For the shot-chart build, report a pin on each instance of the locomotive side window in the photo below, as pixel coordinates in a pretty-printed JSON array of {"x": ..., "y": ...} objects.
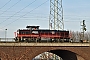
[
  {"x": 23, "y": 32},
  {"x": 27, "y": 32}
]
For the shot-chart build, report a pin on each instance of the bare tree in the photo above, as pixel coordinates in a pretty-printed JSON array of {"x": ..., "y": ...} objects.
[{"x": 77, "y": 36}]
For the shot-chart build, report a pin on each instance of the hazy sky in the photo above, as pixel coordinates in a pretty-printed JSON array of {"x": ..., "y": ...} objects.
[{"x": 17, "y": 14}]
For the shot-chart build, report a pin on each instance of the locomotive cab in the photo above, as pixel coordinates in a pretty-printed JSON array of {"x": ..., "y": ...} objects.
[
  {"x": 28, "y": 34},
  {"x": 33, "y": 27}
]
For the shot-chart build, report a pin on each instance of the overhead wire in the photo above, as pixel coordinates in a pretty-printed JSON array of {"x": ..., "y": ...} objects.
[
  {"x": 27, "y": 19},
  {"x": 33, "y": 14},
  {"x": 26, "y": 13},
  {"x": 45, "y": 17},
  {"x": 5, "y": 4},
  {"x": 10, "y": 7},
  {"x": 18, "y": 12}
]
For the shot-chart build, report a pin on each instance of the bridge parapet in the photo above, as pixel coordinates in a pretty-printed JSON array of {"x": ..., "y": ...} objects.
[{"x": 46, "y": 44}]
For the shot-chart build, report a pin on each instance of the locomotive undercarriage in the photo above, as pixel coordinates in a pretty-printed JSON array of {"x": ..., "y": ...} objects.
[
  {"x": 27, "y": 39},
  {"x": 39, "y": 40}
]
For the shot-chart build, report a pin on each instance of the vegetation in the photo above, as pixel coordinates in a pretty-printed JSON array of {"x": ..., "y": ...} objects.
[{"x": 77, "y": 36}]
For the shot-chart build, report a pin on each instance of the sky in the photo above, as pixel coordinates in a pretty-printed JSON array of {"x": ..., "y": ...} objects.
[{"x": 17, "y": 14}]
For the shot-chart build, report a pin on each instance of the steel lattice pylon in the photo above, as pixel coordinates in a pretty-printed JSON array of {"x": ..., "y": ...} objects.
[{"x": 56, "y": 15}]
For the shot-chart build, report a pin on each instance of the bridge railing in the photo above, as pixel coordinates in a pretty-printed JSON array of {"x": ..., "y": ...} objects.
[{"x": 7, "y": 40}]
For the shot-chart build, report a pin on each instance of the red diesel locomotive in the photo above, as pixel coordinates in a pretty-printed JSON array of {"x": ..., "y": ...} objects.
[{"x": 34, "y": 34}]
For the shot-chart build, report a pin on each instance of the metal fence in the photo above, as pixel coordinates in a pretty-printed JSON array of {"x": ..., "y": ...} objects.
[{"x": 7, "y": 40}]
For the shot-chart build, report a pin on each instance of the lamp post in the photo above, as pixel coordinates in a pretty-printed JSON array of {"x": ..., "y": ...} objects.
[{"x": 5, "y": 34}]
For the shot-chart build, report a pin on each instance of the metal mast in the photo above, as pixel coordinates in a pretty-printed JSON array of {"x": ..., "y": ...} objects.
[
  {"x": 56, "y": 15},
  {"x": 83, "y": 29}
]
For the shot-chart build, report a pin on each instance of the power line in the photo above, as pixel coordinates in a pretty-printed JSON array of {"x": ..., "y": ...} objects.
[
  {"x": 66, "y": 17},
  {"x": 43, "y": 17},
  {"x": 18, "y": 12},
  {"x": 26, "y": 14},
  {"x": 10, "y": 7},
  {"x": 5, "y": 4},
  {"x": 32, "y": 16}
]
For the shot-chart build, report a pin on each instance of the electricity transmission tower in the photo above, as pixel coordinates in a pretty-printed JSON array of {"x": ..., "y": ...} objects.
[{"x": 56, "y": 15}]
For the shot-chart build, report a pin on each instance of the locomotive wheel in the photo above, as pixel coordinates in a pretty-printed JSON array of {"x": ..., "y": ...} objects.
[{"x": 61, "y": 40}]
